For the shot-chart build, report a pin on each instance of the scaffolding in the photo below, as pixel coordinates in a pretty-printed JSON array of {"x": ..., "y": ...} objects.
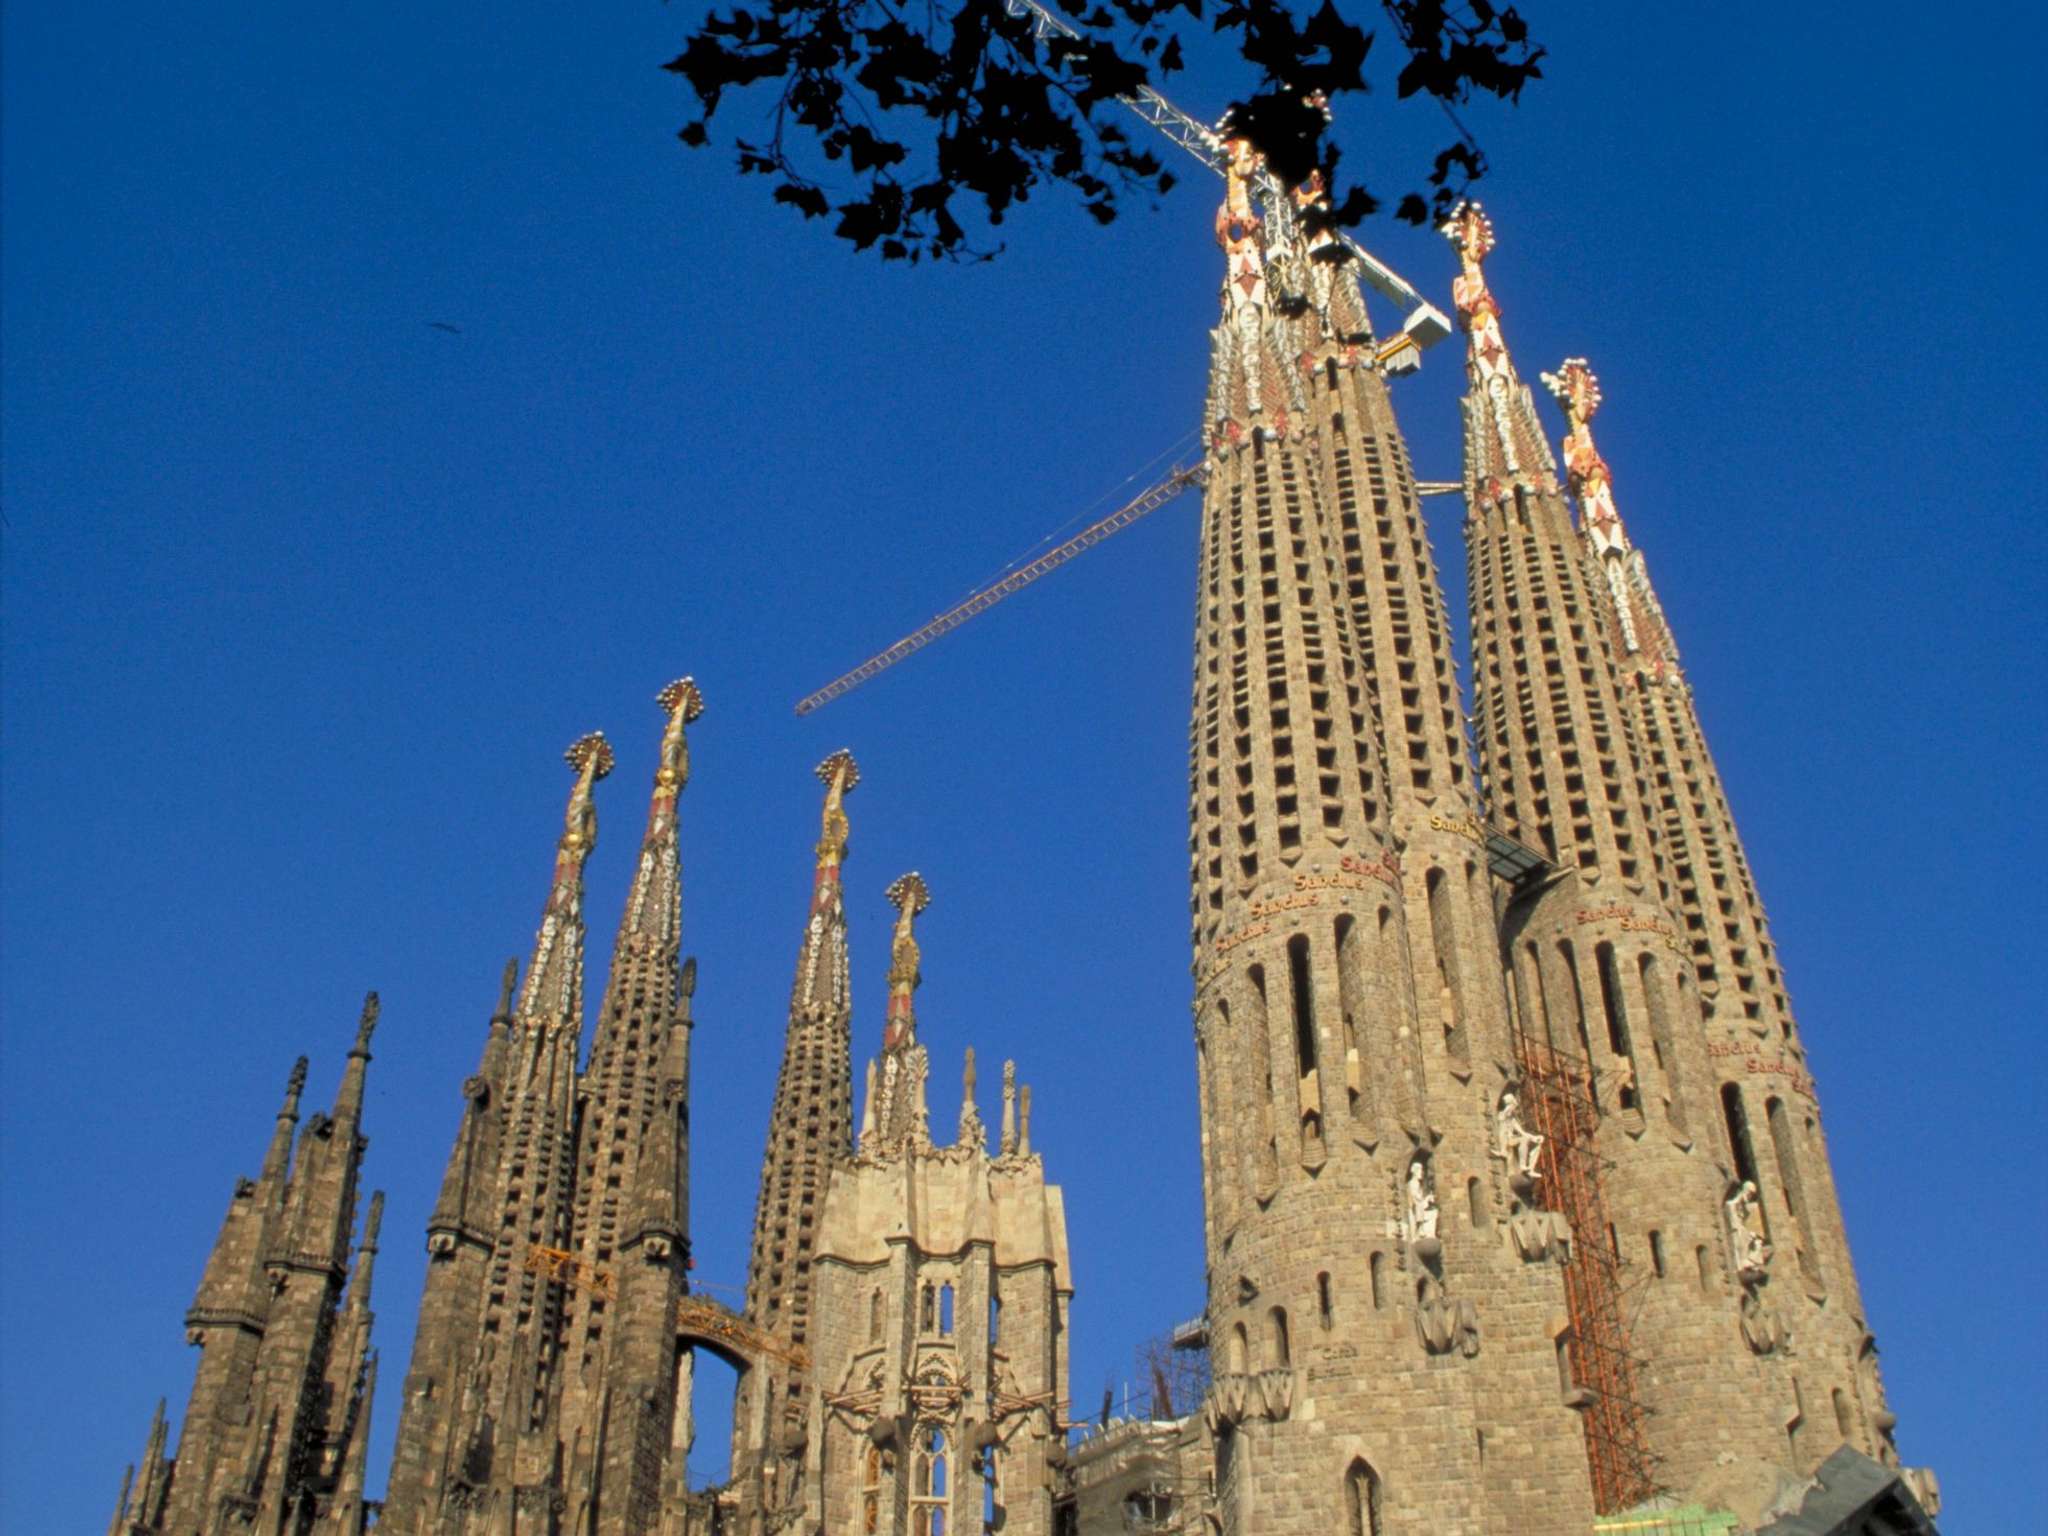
[{"x": 1558, "y": 1104}]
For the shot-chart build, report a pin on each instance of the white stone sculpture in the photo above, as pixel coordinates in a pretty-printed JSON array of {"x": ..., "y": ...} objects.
[
  {"x": 1745, "y": 1231},
  {"x": 1422, "y": 1211},
  {"x": 1514, "y": 1141}
]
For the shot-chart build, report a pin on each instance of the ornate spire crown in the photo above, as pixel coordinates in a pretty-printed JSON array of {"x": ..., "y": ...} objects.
[
  {"x": 1504, "y": 443},
  {"x": 839, "y": 773},
  {"x": 1576, "y": 389},
  {"x": 909, "y": 895},
  {"x": 553, "y": 993}
]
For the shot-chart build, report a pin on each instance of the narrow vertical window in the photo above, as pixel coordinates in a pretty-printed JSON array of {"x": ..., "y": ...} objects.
[
  {"x": 946, "y": 1308},
  {"x": 875, "y": 1316},
  {"x": 1279, "y": 1346},
  {"x": 1323, "y": 1309},
  {"x": 1617, "y": 1025},
  {"x": 1376, "y": 1268},
  {"x": 1362, "y": 1499},
  {"x": 1657, "y": 1252},
  {"x": 1737, "y": 1123}
]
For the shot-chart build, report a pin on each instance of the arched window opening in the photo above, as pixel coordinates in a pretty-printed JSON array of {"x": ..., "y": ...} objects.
[
  {"x": 1304, "y": 1004},
  {"x": 929, "y": 1483},
  {"x": 1324, "y": 1311},
  {"x": 1240, "y": 1350},
  {"x": 991, "y": 1500},
  {"x": 1616, "y": 1014},
  {"x": 1790, "y": 1186},
  {"x": 1706, "y": 1269},
  {"x": 872, "y": 1470},
  {"x": 1362, "y": 1499},
  {"x": 1351, "y": 1002},
  {"x": 1475, "y": 1204},
  {"x": 995, "y": 1313},
  {"x": 1661, "y": 1040},
  {"x": 1278, "y": 1346},
  {"x": 928, "y": 1309},
  {"x": 875, "y": 1316},
  {"x": 946, "y": 1308},
  {"x": 1577, "y": 999},
  {"x": 1377, "y": 1268},
  {"x": 1736, "y": 1121},
  {"x": 1657, "y": 1253},
  {"x": 1844, "y": 1421},
  {"x": 1443, "y": 941}
]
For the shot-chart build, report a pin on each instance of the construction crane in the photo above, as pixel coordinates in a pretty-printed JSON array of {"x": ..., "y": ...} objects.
[
  {"x": 1423, "y": 325},
  {"x": 697, "y": 1315},
  {"x": 1422, "y": 322},
  {"x": 1147, "y": 501}
]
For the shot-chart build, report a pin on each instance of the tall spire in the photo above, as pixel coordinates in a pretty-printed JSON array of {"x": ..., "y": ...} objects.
[
  {"x": 1640, "y": 629},
  {"x": 1504, "y": 444},
  {"x": 909, "y": 895},
  {"x": 348, "y": 1103},
  {"x": 821, "y": 970},
  {"x": 1253, "y": 386},
  {"x": 902, "y": 1121},
  {"x": 653, "y": 907},
  {"x": 553, "y": 998},
  {"x": 810, "y": 1130}
]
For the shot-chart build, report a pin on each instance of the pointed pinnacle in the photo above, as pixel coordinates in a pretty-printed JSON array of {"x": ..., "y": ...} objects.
[
  {"x": 364, "y": 1029},
  {"x": 295, "y": 1085},
  {"x": 372, "y": 1223},
  {"x": 505, "y": 986}
]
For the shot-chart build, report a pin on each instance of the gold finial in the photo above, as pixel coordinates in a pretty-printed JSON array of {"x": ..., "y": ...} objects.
[
  {"x": 839, "y": 773},
  {"x": 682, "y": 697},
  {"x": 1576, "y": 389},
  {"x": 682, "y": 703},
  {"x": 910, "y": 896},
  {"x": 1471, "y": 231},
  {"x": 590, "y": 754}
]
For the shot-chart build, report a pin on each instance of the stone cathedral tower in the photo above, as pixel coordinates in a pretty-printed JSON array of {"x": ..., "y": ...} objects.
[
  {"x": 1783, "y": 1218},
  {"x": 1517, "y": 1212},
  {"x": 546, "y": 1391},
  {"x": 275, "y": 1436},
  {"x": 906, "y": 1300},
  {"x": 1385, "y": 1357}
]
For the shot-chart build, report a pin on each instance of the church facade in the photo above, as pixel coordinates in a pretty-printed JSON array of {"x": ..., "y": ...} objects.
[{"x": 1517, "y": 1211}]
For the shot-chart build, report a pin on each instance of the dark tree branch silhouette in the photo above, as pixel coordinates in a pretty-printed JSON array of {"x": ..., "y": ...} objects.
[{"x": 912, "y": 122}]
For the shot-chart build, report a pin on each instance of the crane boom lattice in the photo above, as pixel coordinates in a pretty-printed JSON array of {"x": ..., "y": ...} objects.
[{"x": 980, "y": 602}]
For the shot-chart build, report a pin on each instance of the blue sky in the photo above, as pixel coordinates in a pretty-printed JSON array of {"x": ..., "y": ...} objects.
[{"x": 303, "y": 598}]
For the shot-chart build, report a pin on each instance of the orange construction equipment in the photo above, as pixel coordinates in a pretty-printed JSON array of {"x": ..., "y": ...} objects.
[{"x": 1558, "y": 1103}]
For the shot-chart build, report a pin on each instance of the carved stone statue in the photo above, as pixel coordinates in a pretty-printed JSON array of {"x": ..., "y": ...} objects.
[
  {"x": 1745, "y": 1232},
  {"x": 1422, "y": 1209},
  {"x": 1514, "y": 1141}
]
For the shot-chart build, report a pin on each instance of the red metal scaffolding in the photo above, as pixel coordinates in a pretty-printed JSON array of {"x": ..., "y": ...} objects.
[{"x": 1558, "y": 1104}]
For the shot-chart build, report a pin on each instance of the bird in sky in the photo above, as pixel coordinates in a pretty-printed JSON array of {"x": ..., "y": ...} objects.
[{"x": 443, "y": 325}]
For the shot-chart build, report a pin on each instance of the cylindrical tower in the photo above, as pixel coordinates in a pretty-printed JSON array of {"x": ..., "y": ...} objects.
[{"x": 1383, "y": 1351}]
